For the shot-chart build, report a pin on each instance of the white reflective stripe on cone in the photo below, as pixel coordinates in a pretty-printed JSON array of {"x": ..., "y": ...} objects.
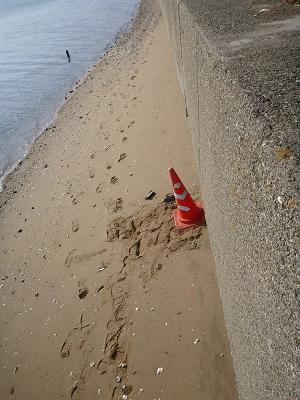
[
  {"x": 177, "y": 185},
  {"x": 184, "y": 208},
  {"x": 181, "y": 196}
]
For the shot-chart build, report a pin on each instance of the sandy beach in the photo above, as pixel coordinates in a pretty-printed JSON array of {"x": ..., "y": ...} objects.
[{"x": 101, "y": 297}]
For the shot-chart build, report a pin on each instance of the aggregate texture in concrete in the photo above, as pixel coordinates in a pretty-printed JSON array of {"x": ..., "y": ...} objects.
[{"x": 238, "y": 67}]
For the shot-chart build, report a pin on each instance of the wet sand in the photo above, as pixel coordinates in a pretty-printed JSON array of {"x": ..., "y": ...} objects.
[{"x": 98, "y": 289}]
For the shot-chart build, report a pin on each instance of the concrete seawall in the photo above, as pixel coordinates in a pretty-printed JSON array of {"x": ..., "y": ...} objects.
[{"x": 237, "y": 66}]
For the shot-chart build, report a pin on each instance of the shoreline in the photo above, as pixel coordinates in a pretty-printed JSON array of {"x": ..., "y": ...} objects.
[
  {"x": 10, "y": 169},
  {"x": 101, "y": 295}
]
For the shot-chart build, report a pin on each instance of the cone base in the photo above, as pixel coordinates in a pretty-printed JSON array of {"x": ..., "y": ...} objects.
[{"x": 187, "y": 224}]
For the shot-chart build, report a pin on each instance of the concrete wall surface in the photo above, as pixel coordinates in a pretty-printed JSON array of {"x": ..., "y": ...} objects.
[{"x": 238, "y": 68}]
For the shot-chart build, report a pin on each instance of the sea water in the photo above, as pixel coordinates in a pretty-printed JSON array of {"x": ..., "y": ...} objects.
[{"x": 35, "y": 73}]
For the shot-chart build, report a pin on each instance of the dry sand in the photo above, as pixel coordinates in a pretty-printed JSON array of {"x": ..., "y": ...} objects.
[{"x": 98, "y": 289}]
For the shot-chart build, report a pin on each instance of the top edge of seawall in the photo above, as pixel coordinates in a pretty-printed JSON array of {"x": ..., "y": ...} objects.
[
  {"x": 255, "y": 46},
  {"x": 235, "y": 17}
]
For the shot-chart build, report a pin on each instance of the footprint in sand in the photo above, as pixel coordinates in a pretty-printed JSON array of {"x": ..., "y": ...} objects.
[
  {"x": 108, "y": 165},
  {"x": 114, "y": 205},
  {"x": 76, "y": 199},
  {"x": 82, "y": 289},
  {"x": 69, "y": 187},
  {"x": 77, "y": 337},
  {"x": 99, "y": 187},
  {"x": 73, "y": 258},
  {"x": 66, "y": 348},
  {"x": 124, "y": 139},
  {"x": 91, "y": 173},
  {"x": 94, "y": 154},
  {"x": 154, "y": 270},
  {"x": 114, "y": 180},
  {"x": 75, "y": 225},
  {"x": 122, "y": 157},
  {"x": 118, "y": 205}
]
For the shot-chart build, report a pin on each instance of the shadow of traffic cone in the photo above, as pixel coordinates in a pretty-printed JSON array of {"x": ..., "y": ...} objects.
[{"x": 188, "y": 212}]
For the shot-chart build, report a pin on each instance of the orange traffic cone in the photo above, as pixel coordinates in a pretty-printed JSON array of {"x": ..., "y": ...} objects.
[{"x": 188, "y": 213}]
